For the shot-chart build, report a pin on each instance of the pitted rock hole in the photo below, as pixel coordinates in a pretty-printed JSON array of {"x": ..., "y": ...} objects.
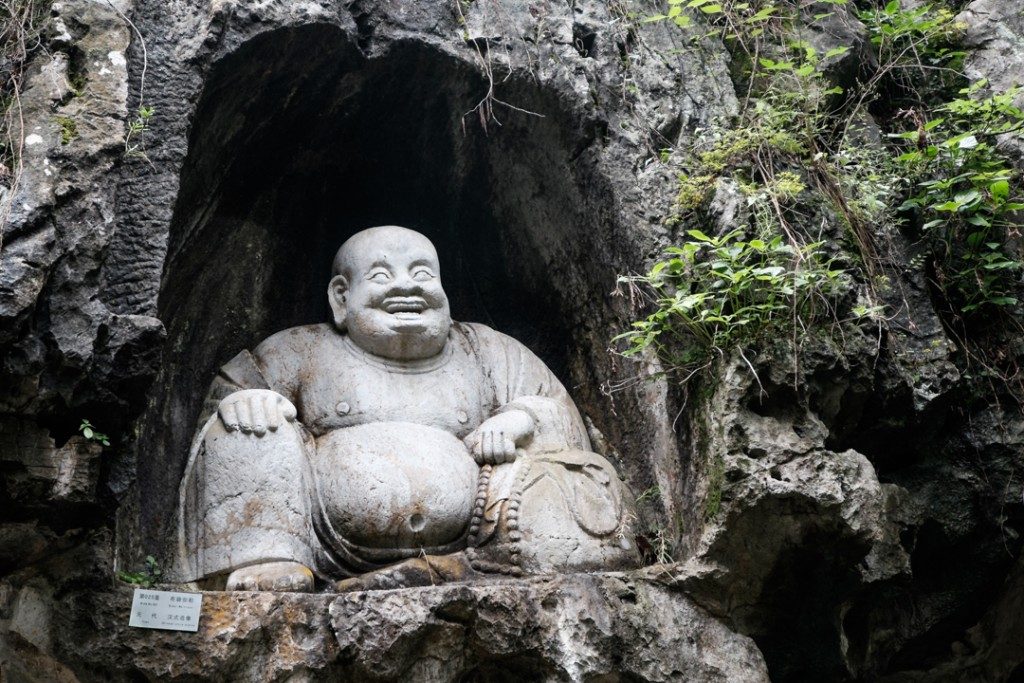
[{"x": 298, "y": 142}]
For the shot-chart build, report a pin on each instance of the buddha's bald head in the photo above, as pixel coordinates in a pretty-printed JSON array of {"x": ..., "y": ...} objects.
[
  {"x": 386, "y": 293},
  {"x": 382, "y": 239}
]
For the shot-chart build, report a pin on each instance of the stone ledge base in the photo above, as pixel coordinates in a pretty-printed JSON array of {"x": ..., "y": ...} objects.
[{"x": 561, "y": 628}]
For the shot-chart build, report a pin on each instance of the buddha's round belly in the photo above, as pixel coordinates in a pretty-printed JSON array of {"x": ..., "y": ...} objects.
[{"x": 395, "y": 484}]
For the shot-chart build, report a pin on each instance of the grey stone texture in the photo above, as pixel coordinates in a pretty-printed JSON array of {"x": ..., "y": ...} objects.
[
  {"x": 566, "y": 628},
  {"x": 856, "y": 516}
]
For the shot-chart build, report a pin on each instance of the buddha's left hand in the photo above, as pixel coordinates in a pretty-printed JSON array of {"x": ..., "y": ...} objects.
[{"x": 494, "y": 442}]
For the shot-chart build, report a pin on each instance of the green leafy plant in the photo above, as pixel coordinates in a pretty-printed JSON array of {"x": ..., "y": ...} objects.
[
  {"x": 917, "y": 49},
  {"x": 133, "y": 139},
  {"x": 714, "y": 294},
  {"x": 90, "y": 433},
  {"x": 147, "y": 577},
  {"x": 799, "y": 144},
  {"x": 966, "y": 193}
]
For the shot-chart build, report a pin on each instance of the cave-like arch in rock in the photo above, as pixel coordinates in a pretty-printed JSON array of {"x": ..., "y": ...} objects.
[{"x": 298, "y": 141}]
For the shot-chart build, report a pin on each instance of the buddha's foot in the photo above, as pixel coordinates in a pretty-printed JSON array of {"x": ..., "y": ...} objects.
[
  {"x": 429, "y": 570},
  {"x": 272, "y": 576}
]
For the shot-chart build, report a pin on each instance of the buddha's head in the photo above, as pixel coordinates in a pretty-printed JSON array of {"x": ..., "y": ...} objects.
[{"x": 386, "y": 294}]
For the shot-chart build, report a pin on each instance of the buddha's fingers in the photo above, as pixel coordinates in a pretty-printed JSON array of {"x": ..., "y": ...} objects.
[
  {"x": 497, "y": 450},
  {"x": 475, "y": 443},
  {"x": 244, "y": 417},
  {"x": 286, "y": 408},
  {"x": 490, "y": 452},
  {"x": 258, "y": 414},
  {"x": 273, "y": 412},
  {"x": 229, "y": 416},
  {"x": 494, "y": 447},
  {"x": 509, "y": 449}
]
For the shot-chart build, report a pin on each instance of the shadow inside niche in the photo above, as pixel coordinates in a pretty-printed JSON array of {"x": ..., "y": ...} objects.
[
  {"x": 298, "y": 142},
  {"x": 797, "y": 632}
]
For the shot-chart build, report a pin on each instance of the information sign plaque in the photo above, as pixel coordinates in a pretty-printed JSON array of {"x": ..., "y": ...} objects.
[{"x": 166, "y": 610}]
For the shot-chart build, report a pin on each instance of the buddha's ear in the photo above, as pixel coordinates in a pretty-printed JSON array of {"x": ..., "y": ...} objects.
[{"x": 337, "y": 294}]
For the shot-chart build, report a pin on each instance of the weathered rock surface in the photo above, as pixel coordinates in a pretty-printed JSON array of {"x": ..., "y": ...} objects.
[
  {"x": 995, "y": 34},
  {"x": 859, "y": 518},
  {"x": 63, "y": 348},
  {"x": 566, "y": 628},
  {"x": 877, "y": 552},
  {"x": 38, "y": 471}
]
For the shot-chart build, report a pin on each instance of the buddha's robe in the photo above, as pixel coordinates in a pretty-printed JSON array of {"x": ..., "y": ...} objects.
[{"x": 248, "y": 499}]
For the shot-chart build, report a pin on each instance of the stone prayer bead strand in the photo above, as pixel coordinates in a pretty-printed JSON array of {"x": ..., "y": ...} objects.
[
  {"x": 512, "y": 506},
  {"x": 483, "y": 483},
  {"x": 512, "y": 518}
]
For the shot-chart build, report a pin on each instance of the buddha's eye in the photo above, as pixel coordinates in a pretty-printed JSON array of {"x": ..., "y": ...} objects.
[
  {"x": 379, "y": 275},
  {"x": 422, "y": 275}
]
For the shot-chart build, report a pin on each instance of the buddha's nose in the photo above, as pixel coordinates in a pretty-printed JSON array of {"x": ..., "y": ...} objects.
[{"x": 405, "y": 285}]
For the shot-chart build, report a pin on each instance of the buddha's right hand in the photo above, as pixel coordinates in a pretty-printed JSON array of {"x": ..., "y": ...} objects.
[{"x": 255, "y": 411}]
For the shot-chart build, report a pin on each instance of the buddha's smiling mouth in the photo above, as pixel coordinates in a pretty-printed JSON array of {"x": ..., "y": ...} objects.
[{"x": 407, "y": 305}]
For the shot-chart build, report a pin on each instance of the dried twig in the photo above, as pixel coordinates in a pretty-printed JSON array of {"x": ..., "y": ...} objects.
[
  {"x": 20, "y": 38},
  {"x": 484, "y": 109}
]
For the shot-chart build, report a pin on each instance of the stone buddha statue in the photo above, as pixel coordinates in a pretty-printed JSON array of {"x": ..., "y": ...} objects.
[{"x": 393, "y": 447}]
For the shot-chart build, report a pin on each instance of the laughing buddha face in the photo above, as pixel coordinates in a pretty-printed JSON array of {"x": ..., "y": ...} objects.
[{"x": 386, "y": 293}]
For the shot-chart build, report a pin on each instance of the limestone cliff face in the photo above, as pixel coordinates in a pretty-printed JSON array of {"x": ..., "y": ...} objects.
[{"x": 867, "y": 525}]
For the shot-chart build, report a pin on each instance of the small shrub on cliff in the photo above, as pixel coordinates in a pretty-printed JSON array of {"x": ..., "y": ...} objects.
[
  {"x": 90, "y": 433},
  {"x": 919, "y": 59},
  {"x": 809, "y": 160},
  {"x": 763, "y": 277},
  {"x": 147, "y": 577},
  {"x": 714, "y": 294},
  {"x": 966, "y": 193},
  {"x": 133, "y": 143}
]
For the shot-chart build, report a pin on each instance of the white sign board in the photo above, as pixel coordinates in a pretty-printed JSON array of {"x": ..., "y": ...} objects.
[{"x": 166, "y": 610}]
